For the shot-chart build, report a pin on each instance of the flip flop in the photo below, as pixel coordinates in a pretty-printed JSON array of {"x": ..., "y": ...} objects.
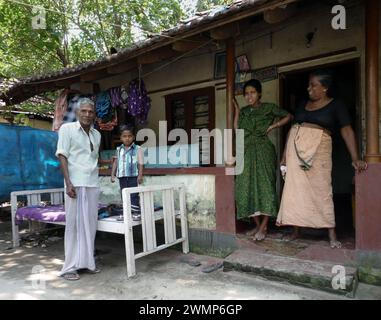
[
  {"x": 212, "y": 267},
  {"x": 192, "y": 262},
  {"x": 71, "y": 276}
]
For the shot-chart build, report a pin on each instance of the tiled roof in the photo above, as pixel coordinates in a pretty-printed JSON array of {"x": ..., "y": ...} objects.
[
  {"x": 5, "y": 84},
  {"x": 27, "y": 87}
]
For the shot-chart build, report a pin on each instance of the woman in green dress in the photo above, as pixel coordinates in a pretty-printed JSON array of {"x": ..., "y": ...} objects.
[{"x": 256, "y": 186}]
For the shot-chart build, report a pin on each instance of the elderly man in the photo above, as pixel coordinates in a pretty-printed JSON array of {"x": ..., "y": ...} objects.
[{"x": 77, "y": 150}]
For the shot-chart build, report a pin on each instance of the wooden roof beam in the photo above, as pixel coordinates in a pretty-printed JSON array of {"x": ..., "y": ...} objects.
[
  {"x": 156, "y": 55},
  {"x": 190, "y": 43},
  {"x": 92, "y": 76},
  {"x": 230, "y": 30},
  {"x": 65, "y": 83},
  {"x": 122, "y": 67}
]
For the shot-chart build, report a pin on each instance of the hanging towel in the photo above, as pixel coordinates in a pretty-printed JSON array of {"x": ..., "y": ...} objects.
[{"x": 103, "y": 106}]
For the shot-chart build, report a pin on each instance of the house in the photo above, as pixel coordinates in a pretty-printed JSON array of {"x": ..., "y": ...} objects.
[
  {"x": 194, "y": 65},
  {"x": 31, "y": 119},
  {"x": 17, "y": 114}
]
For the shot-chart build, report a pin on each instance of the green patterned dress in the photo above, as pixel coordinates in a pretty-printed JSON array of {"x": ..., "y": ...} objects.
[{"x": 256, "y": 185}]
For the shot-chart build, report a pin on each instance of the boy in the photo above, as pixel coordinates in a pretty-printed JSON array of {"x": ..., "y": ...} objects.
[{"x": 128, "y": 166}]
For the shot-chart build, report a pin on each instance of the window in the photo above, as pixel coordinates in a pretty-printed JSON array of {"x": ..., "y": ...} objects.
[{"x": 192, "y": 110}]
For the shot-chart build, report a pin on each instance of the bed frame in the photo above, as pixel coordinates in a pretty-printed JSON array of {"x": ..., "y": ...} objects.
[{"x": 148, "y": 218}]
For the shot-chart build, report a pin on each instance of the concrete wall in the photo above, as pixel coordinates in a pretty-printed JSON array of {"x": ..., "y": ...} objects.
[
  {"x": 110, "y": 192},
  {"x": 368, "y": 204},
  {"x": 200, "y": 196}
]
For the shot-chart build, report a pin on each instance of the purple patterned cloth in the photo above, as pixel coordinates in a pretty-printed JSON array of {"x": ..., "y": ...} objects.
[
  {"x": 52, "y": 213},
  {"x": 138, "y": 101},
  {"x": 115, "y": 96}
]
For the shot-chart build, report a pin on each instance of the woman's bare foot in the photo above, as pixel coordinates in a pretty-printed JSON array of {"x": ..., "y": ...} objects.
[
  {"x": 260, "y": 235},
  {"x": 333, "y": 242},
  {"x": 262, "y": 232},
  {"x": 252, "y": 232},
  {"x": 295, "y": 235}
]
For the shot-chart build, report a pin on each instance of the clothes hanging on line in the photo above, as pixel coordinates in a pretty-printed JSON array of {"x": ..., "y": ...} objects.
[
  {"x": 103, "y": 106},
  {"x": 138, "y": 100},
  {"x": 115, "y": 96},
  {"x": 108, "y": 126},
  {"x": 70, "y": 114},
  {"x": 60, "y": 109},
  {"x": 124, "y": 97}
]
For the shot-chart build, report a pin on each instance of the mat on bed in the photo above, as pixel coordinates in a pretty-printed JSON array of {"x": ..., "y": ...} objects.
[{"x": 50, "y": 213}]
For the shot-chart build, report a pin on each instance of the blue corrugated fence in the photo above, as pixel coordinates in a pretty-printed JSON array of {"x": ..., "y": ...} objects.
[{"x": 27, "y": 160}]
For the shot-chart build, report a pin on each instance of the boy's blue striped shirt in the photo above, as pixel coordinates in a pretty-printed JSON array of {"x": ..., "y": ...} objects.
[{"x": 127, "y": 161}]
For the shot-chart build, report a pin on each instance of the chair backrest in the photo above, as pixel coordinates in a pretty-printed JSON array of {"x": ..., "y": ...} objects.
[{"x": 148, "y": 215}]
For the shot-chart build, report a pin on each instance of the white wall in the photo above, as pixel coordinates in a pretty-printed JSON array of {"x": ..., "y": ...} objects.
[{"x": 200, "y": 196}]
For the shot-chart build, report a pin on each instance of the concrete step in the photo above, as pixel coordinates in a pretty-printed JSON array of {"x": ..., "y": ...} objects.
[{"x": 329, "y": 277}]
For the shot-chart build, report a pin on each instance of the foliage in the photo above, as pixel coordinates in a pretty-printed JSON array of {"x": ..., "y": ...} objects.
[
  {"x": 203, "y": 5},
  {"x": 76, "y": 31},
  {"x": 79, "y": 30},
  {"x": 21, "y": 119}
]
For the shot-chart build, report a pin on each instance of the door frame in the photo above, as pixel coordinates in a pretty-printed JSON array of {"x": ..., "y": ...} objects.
[{"x": 327, "y": 62}]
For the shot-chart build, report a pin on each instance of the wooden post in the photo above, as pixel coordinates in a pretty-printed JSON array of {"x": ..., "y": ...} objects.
[
  {"x": 15, "y": 227},
  {"x": 230, "y": 61},
  {"x": 128, "y": 233},
  {"x": 372, "y": 85},
  {"x": 184, "y": 222}
]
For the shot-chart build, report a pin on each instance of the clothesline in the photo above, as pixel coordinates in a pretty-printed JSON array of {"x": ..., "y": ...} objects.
[
  {"x": 136, "y": 101},
  {"x": 168, "y": 63}
]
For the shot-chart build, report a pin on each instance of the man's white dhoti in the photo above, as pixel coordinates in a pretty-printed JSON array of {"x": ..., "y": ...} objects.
[{"x": 80, "y": 230}]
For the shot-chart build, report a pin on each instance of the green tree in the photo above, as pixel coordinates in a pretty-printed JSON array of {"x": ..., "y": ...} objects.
[{"x": 76, "y": 31}]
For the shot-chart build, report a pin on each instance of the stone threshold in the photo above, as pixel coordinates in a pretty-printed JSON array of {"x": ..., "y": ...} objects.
[{"x": 318, "y": 275}]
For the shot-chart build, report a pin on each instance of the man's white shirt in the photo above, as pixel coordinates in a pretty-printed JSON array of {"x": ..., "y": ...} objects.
[{"x": 74, "y": 144}]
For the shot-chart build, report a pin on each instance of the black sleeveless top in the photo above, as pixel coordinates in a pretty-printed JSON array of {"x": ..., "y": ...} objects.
[{"x": 329, "y": 117}]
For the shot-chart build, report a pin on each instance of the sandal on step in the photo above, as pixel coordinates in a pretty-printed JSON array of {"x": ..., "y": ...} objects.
[{"x": 335, "y": 244}]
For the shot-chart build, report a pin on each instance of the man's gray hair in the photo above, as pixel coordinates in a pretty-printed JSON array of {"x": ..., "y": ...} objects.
[{"x": 84, "y": 101}]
